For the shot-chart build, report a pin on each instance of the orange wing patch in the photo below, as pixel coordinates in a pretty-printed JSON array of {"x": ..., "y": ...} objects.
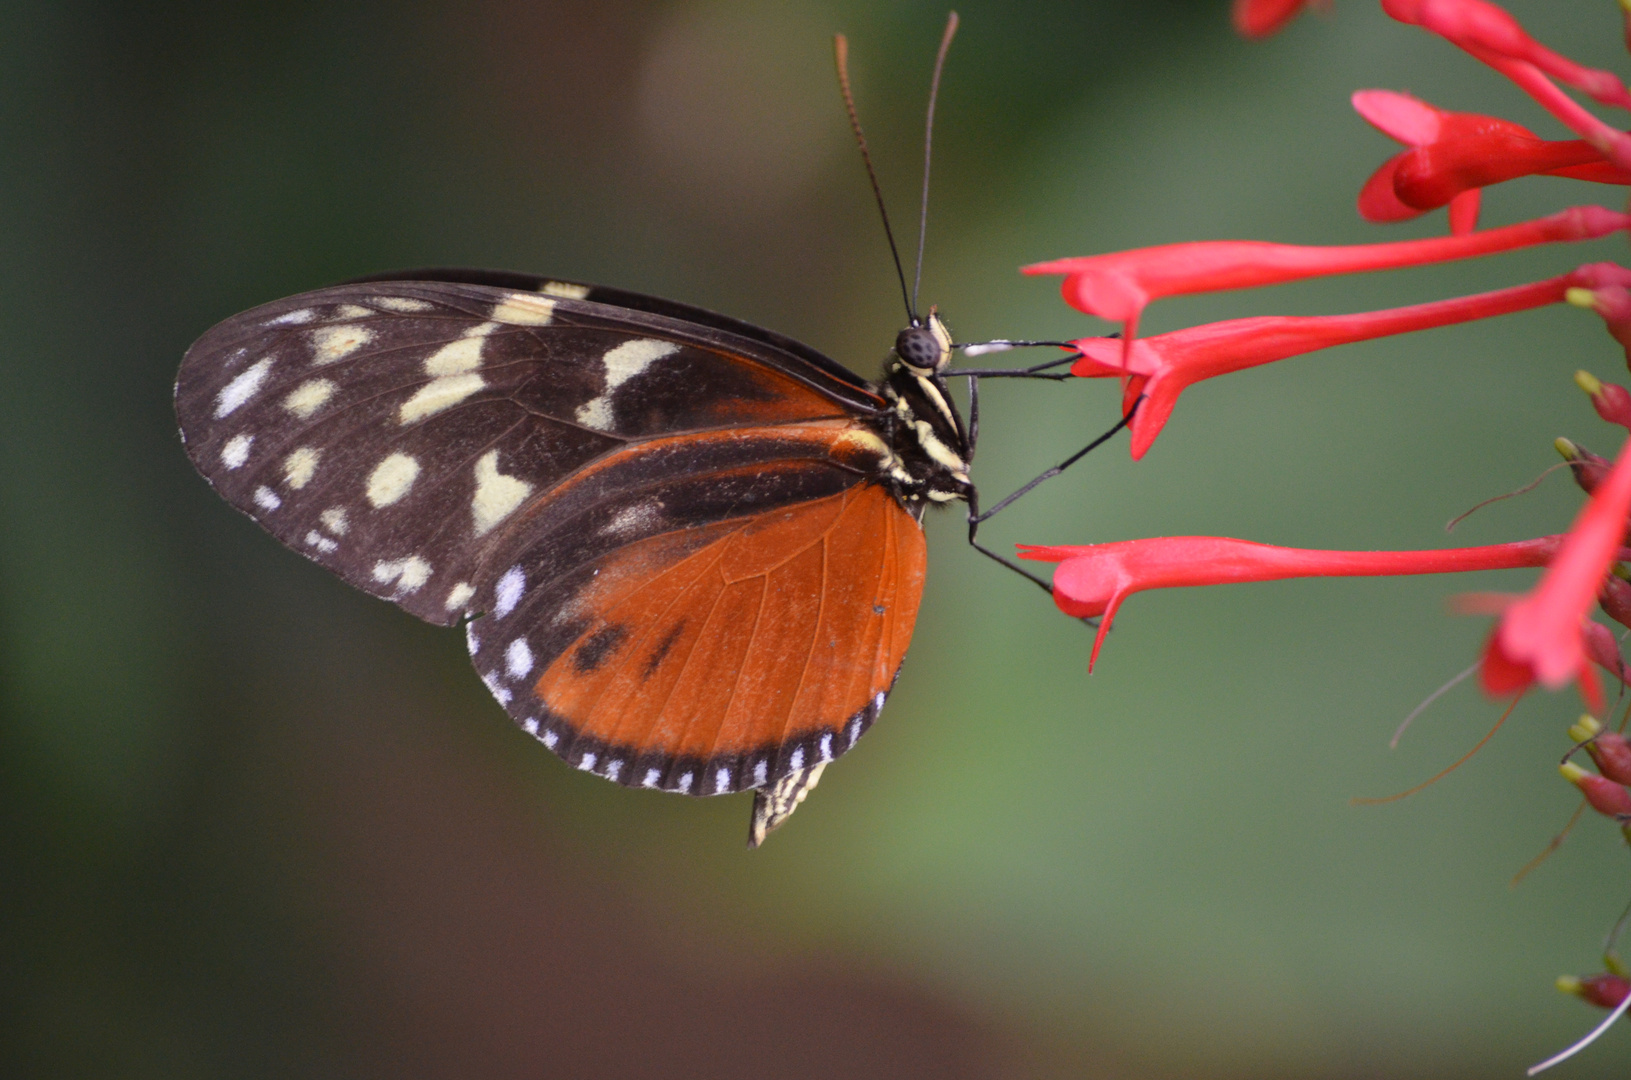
[{"x": 726, "y": 665}]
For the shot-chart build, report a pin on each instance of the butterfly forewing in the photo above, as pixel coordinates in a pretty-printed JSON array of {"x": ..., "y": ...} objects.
[{"x": 665, "y": 524}]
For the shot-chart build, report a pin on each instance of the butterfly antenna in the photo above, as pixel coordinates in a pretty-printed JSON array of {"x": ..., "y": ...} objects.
[
  {"x": 928, "y": 144},
  {"x": 840, "y": 46}
]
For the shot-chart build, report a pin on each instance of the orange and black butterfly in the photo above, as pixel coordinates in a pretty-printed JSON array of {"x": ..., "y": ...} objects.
[{"x": 687, "y": 552}]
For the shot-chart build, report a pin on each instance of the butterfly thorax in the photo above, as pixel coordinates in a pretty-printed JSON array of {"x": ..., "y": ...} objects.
[{"x": 928, "y": 442}]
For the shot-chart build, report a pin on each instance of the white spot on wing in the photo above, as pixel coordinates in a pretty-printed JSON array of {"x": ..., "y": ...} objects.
[
  {"x": 331, "y": 343},
  {"x": 497, "y": 495},
  {"x": 877, "y": 701},
  {"x": 391, "y": 479},
  {"x": 613, "y": 767},
  {"x": 623, "y": 363},
  {"x": 452, "y": 368},
  {"x": 826, "y": 747},
  {"x": 459, "y": 595},
  {"x": 351, "y": 311},
  {"x": 564, "y": 289},
  {"x": 236, "y": 451},
  {"x": 518, "y": 658},
  {"x": 439, "y": 394},
  {"x": 299, "y": 466},
  {"x": 530, "y": 725},
  {"x": 321, "y": 542},
  {"x": 241, "y": 389},
  {"x": 409, "y": 574},
  {"x": 684, "y": 782},
  {"x": 722, "y": 779},
  {"x": 333, "y": 520},
  {"x": 507, "y": 593},
  {"x": 524, "y": 309},
  {"x": 496, "y": 688},
  {"x": 402, "y": 303},
  {"x": 650, "y": 779},
  {"x": 633, "y": 519},
  {"x": 588, "y": 761},
  {"x": 796, "y": 762},
  {"x": 308, "y": 397},
  {"x": 761, "y": 771},
  {"x": 550, "y": 739},
  {"x": 266, "y": 498},
  {"x": 293, "y": 318}
]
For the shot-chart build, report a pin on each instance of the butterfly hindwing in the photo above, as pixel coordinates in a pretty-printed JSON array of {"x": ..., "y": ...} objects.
[{"x": 713, "y": 659}]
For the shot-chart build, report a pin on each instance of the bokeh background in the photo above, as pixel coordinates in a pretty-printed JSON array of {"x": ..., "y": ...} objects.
[{"x": 255, "y": 824}]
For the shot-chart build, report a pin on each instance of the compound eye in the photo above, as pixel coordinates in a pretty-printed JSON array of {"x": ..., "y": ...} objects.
[{"x": 917, "y": 348}]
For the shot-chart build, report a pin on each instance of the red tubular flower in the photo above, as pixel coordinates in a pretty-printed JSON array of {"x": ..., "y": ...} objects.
[
  {"x": 1453, "y": 154},
  {"x": 1094, "y": 579},
  {"x": 1483, "y": 29},
  {"x": 1119, "y": 285},
  {"x": 1260, "y": 18},
  {"x": 1539, "y": 637},
  {"x": 1160, "y": 368},
  {"x": 1604, "y": 991}
]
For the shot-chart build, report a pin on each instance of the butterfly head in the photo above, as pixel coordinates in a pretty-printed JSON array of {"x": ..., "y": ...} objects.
[{"x": 924, "y": 347}]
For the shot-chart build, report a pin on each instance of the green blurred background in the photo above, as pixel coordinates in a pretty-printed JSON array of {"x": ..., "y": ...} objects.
[{"x": 253, "y": 823}]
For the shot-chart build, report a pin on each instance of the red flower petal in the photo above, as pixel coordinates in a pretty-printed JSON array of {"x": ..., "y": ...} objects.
[{"x": 1539, "y": 637}]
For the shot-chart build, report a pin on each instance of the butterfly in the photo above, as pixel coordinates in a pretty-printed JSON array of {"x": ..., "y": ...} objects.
[{"x": 687, "y": 552}]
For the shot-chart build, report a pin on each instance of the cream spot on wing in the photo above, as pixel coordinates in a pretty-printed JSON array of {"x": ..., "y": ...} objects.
[
  {"x": 293, "y": 318},
  {"x": 452, "y": 368},
  {"x": 459, "y": 595},
  {"x": 391, "y": 479},
  {"x": 333, "y": 520},
  {"x": 403, "y": 304},
  {"x": 497, "y": 495},
  {"x": 247, "y": 384},
  {"x": 331, "y": 343},
  {"x": 564, "y": 289},
  {"x": 351, "y": 311},
  {"x": 308, "y": 397},
  {"x": 623, "y": 363},
  {"x": 299, "y": 466},
  {"x": 524, "y": 309},
  {"x": 409, "y": 574},
  {"x": 439, "y": 394},
  {"x": 266, "y": 498},
  {"x": 236, "y": 451},
  {"x": 518, "y": 658},
  {"x": 508, "y": 592},
  {"x": 321, "y": 542}
]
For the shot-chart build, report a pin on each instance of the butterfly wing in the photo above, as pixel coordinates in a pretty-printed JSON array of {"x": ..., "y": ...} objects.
[{"x": 663, "y": 525}]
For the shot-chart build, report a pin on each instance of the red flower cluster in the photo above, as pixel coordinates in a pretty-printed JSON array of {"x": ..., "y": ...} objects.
[{"x": 1545, "y": 636}]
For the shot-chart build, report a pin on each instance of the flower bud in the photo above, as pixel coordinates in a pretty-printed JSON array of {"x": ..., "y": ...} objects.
[
  {"x": 1604, "y": 991},
  {"x": 1613, "y": 403},
  {"x": 1608, "y": 749},
  {"x": 1605, "y": 796},
  {"x": 1587, "y": 467}
]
